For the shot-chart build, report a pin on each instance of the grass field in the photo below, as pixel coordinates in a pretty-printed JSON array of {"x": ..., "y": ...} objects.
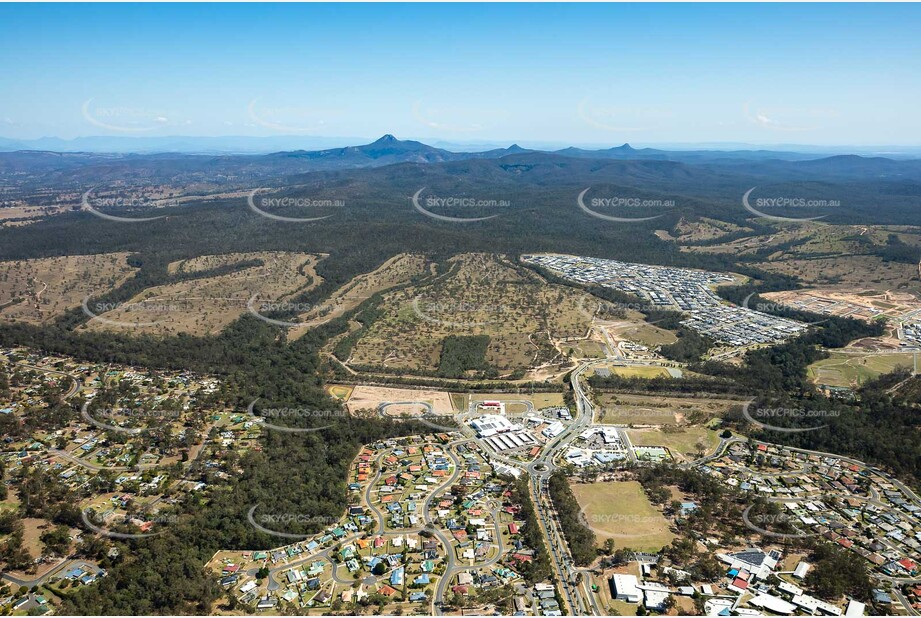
[
  {"x": 641, "y": 372},
  {"x": 627, "y": 409},
  {"x": 37, "y": 291},
  {"x": 482, "y": 295},
  {"x": 621, "y": 511},
  {"x": 369, "y": 397},
  {"x": 583, "y": 349},
  {"x": 645, "y": 334},
  {"x": 683, "y": 442},
  {"x": 207, "y": 306},
  {"x": 340, "y": 392},
  {"x": 847, "y": 370},
  {"x": 540, "y": 400}
]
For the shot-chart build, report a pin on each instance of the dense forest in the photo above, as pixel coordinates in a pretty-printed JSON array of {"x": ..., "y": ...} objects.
[
  {"x": 580, "y": 538},
  {"x": 462, "y": 353}
]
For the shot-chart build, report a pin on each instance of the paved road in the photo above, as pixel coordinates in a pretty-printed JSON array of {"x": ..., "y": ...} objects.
[
  {"x": 76, "y": 381},
  {"x": 450, "y": 559},
  {"x": 38, "y": 581}
]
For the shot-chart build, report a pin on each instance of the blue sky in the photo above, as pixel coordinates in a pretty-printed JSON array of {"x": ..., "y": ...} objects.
[{"x": 825, "y": 74}]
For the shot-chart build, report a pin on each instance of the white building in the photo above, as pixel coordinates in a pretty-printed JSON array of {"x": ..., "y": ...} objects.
[
  {"x": 855, "y": 608},
  {"x": 552, "y": 431},
  {"x": 625, "y": 588},
  {"x": 801, "y": 569},
  {"x": 773, "y": 604},
  {"x": 491, "y": 424}
]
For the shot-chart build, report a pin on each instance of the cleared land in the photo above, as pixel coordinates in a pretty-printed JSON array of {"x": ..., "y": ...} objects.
[
  {"x": 481, "y": 295},
  {"x": 638, "y": 371},
  {"x": 24, "y": 215},
  {"x": 40, "y": 290},
  {"x": 864, "y": 305},
  {"x": 683, "y": 442},
  {"x": 205, "y": 306},
  {"x": 702, "y": 229},
  {"x": 622, "y": 512},
  {"x": 638, "y": 331},
  {"x": 340, "y": 392},
  {"x": 369, "y": 397},
  {"x": 395, "y": 271},
  {"x": 850, "y": 370},
  {"x": 512, "y": 401},
  {"x": 833, "y": 256},
  {"x": 625, "y": 409}
]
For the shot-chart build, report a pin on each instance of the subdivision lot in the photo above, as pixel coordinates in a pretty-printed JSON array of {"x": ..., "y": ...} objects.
[
  {"x": 205, "y": 306},
  {"x": 40, "y": 290},
  {"x": 620, "y": 510},
  {"x": 684, "y": 442},
  {"x": 846, "y": 369},
  {"x": 370, "y": 397},
  {"x": 640, "y": 371},
  {"x": 627, "y": 409}
]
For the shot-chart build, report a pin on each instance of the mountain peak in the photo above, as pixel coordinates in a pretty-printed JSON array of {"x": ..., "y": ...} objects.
[{"x": 387, "y": 139}]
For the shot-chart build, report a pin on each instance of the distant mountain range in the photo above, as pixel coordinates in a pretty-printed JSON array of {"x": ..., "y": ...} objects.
[
  {"x": 389, "y": 170},
  {"x": 230, "y": 145}
]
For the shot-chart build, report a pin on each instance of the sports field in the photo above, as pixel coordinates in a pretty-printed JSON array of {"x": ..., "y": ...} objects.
[
  {"x": 683, "y": 442},
  {"x": 635, "y": 371},
  {"x": 622, "y": 512}
]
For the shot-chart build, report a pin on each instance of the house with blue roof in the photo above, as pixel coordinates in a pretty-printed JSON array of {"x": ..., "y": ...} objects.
[{"x": 396, "y": 578}]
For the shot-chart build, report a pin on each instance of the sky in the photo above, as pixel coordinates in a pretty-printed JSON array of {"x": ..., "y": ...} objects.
[{"x": 823, "y": 74}]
